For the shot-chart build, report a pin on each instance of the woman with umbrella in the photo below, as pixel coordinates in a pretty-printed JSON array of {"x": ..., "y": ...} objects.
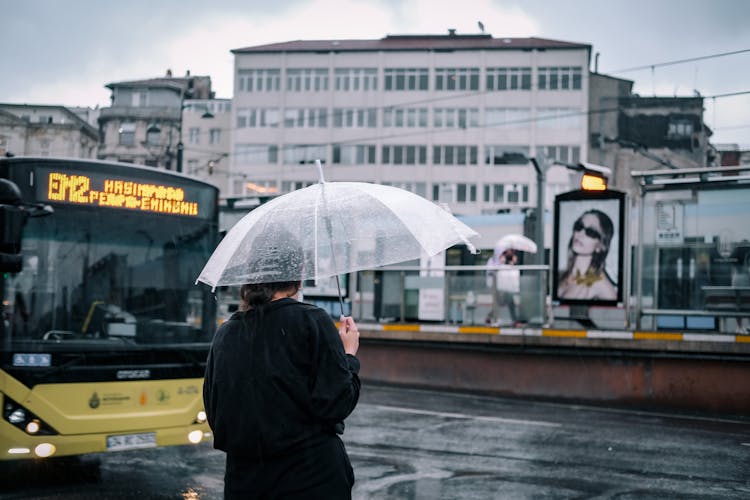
[
  {"x": 280, "y": 380},
  {"x": 505, "y": 281}
]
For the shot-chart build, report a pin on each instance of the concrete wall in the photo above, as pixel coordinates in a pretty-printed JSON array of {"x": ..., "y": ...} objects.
[{"x": 688, "y": 381}]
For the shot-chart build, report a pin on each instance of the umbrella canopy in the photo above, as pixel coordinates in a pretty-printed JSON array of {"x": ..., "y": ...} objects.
[
  {"x": 516, "y": 242},
  {"x": 329, "y": 229}
]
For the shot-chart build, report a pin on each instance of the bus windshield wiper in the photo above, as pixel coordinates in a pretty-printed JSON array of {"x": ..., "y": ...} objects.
[{"x": 76, "y": 359}]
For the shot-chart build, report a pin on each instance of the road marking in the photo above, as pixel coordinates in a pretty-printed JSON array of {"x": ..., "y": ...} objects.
[{"x": 401, "y": 409}]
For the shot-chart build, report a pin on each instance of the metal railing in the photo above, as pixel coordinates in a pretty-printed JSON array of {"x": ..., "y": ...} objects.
[{"x": 468, "y": 295}]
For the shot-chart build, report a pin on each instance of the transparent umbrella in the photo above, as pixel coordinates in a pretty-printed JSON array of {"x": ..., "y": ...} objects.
[
  {"x": 329, "y": 229},
  {"x": 516, "y": 242}
]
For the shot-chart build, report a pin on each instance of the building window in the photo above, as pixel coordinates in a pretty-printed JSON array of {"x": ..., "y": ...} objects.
[
  {"x": 214, "y": 136},
  {"x": 559, "y": 78},
  {"x": 405, "y": 117},
  {"x": 127, "y": 134},
  {"x": 418, "y": 188},
  {"x": 507, "y": 117},
  {"x": 512, "y": 78},
  {"x": 355, "y": 118},
  {"x": 194, "y": 135},
  {"x": 404, "y": 155},
  {"x": 506, "y": 155},
  {"x": 680, "y": 129},
  {"x": 456, "y": 78},
  {"x": 304, "y": 153},
  {"x": 466, "y": 193},
  {"x": 406, "y": 78},
  {"x": 289, "y": 186},
  {"x": 355, "y": 79},
  {"x": 494, "y": 193},
  {"x": 518, "y": 193},
  {"x": 454, "y": 155},
  {"x": 259, "y": 80},
  {"x": 558, "y": 118},
  {"x": 139, "y": 98},
  {"x": 354, "y": 154},
  {"x": 455, "y": 117},
  {"x": 258, "y": 117},
  {"x": 306, "y": 80},
  {"x": 563, "y": 154},
  {"x": 305, "y": 118},
  {"x": 454, "y": 193},
  {"x": 153, "y": 134},
  {"x": 256, "y": 154}
]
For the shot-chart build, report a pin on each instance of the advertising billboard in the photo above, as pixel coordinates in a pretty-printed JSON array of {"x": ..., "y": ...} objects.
[{"x": 588, "y": 247}]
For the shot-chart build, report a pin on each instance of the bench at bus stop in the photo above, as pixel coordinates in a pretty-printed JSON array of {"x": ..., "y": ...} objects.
[{"x": 733, "y": 301}]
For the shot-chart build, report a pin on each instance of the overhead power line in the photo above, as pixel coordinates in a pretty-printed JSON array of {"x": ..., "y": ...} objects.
[{"x": 679, "y": 61}]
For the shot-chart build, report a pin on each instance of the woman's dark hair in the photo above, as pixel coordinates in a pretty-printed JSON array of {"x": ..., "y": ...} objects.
[
  {"x": 599, "y": 258},
  {"x": 257, "y": 294}
]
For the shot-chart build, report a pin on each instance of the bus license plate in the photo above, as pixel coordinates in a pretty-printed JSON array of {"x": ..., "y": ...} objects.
[{"x": 131, "y": 441}]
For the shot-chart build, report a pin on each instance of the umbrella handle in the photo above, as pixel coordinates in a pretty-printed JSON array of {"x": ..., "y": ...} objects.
[
  {"x": 320, "y": 171},
  {"x": 341, "y": 300}
]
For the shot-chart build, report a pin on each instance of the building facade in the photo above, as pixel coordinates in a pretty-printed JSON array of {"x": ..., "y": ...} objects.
[
  {"x": 206, "y": 130},
  {"x": 144, "y": 123},
  {"x": 453, "y": 118},
  {"x": 633, "y": 133},
  {"x": 39, "y": 130}
]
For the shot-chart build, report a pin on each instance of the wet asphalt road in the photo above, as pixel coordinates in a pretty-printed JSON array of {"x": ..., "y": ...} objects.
[{"x": 414, "y": 444}]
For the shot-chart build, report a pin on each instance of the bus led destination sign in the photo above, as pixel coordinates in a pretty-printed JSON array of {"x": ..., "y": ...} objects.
[{"x": 118, "y": 193}]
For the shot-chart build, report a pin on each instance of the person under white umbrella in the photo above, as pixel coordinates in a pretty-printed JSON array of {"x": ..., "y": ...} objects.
[
  {"x": 280, "y": 379},
  {"x": 503, "y": 279}
]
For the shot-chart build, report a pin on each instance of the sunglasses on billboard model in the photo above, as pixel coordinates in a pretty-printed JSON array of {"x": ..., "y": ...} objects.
[{"x": 589, "y": 231}]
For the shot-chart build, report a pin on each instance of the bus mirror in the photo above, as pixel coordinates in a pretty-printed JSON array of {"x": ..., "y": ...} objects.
[{"x": 12, "y": 220}]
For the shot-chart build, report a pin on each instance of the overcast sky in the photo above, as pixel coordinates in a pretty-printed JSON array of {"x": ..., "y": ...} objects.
[{"x": 65, "y": 52}]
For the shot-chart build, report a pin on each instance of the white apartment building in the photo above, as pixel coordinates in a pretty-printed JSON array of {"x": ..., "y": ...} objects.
[
  {"x": 449, "y": 117},
  {"x": 206, "y": 130}
]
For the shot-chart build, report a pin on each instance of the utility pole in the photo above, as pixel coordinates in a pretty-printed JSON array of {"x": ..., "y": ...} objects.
[{"x": 540, "y": 168}]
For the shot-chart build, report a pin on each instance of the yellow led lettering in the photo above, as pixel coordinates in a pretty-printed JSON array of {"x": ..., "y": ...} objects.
[
  {"x": 79, "y": 188},
  {"x": 132, "y": 202},
  {"x": 56, "y": 190},
  {"x": 120, "y": 194}
]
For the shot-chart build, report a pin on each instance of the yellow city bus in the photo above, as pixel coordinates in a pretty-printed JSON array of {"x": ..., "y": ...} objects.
[{"x": 104, "y": 333}]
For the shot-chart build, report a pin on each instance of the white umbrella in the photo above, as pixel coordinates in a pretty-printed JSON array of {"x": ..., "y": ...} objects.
[
  {"x": 329, "y": 229},
  {"x": 515, "y": 242}
]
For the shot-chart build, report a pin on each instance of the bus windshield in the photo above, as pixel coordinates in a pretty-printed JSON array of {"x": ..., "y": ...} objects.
[{"x": 111, "y": 278}]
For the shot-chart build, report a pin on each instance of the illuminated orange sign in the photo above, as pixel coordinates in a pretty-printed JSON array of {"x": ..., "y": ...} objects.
[{"x": 116, "y": 193}]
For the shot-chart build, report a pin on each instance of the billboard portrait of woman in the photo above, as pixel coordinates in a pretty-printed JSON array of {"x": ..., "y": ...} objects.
[{"x": 588, "y": 243}]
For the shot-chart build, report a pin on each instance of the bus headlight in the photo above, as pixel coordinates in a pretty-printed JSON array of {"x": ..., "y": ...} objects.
[
  {"x": 45, "y": 450},
  {"x": 17, "y": 416},
  {"x": 195, "y": 437},
  {"x": 33, "y": 426},
  {"x": 25, "y": 420},
  {"x": 201, "y": 417}
]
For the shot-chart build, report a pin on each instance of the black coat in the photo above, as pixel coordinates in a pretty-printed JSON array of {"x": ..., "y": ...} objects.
[{"x": 277, "y": 380}]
